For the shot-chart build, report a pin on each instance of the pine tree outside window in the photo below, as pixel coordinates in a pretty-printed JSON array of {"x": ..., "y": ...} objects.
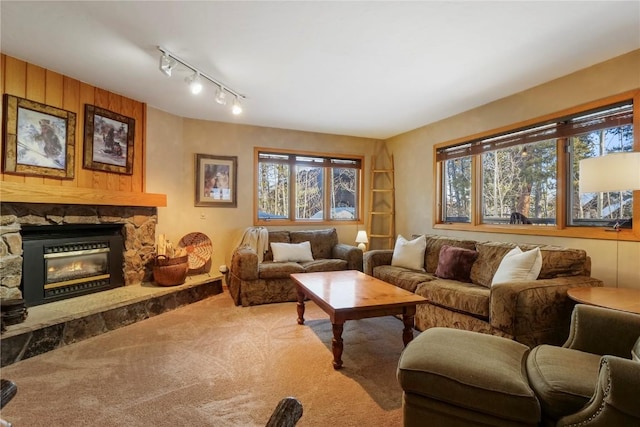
[{"x": 457, "y": 190}]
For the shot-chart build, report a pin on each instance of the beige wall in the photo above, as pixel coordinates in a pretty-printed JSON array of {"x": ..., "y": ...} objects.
[
  {"x": 412, "y": 150},
  {"x": 172, "y": 143}
]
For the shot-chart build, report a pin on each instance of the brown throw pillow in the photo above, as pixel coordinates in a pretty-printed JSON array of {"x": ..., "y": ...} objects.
[{"x": 455, "y": 263}]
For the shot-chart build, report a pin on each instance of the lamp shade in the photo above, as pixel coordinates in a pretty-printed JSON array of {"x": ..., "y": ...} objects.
[
  {"x": 362, "y": 237},
  {"x": 362, "y": 240},
  {"x": 611, "y": 172}
]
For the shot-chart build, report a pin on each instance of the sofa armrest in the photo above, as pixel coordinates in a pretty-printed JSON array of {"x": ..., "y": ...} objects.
[
  {"x": 349, "y": 253},
  {"x": 376, "y": 257},
  {"x": 615, "y": 400},
  {"x": 603, "y": 331},
  {"x": 244, "y": 263},
  {"x": 523, "y": 308}
]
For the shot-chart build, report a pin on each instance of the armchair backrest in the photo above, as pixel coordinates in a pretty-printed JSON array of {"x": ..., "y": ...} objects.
[{"x": 600, "y": 330}]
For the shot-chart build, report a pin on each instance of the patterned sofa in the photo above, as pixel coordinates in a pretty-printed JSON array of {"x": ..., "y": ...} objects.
[
  {"x": 531, "y": 312},
  {"x": 252, "y": 282}
]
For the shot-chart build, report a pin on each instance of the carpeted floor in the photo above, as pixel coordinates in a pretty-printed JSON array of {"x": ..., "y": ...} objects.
[{"x": 214, "y": 364}]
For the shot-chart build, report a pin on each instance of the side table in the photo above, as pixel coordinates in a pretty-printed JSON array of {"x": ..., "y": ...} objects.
[{"x": 624, "y": 299}]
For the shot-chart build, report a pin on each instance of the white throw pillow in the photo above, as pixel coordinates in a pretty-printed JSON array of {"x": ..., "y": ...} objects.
[
  {"x": 518, "y": 266},
  {"x": 294, "y": 252},
  {"x": 409, "y": 253}
]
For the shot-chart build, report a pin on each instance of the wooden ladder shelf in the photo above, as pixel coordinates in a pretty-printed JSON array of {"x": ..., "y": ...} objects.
[{"x": 381, "y": 225}]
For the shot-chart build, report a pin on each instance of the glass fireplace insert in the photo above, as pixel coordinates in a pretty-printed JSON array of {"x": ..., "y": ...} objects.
[{"x": 64, "y": 261}]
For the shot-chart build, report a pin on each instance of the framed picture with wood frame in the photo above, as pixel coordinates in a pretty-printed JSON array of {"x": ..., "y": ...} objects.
[
  {"x": 38, "y": 139},
  {"x": 216, "y": 181},
  {"x": 108, "y": 140}
]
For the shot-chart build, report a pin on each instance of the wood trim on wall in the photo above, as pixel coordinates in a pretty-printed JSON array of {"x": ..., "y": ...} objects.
[{"x": 25, "y": 80}]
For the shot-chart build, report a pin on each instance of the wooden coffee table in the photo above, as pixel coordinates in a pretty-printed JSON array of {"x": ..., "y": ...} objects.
[{"x": 352, "y": 295}]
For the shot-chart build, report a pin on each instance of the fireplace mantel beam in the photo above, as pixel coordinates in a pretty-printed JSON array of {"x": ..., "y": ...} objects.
[{"x": 30, "y": 193}]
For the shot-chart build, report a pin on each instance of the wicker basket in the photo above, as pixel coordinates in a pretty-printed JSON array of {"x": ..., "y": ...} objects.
[{"x": 170, "y": 271}]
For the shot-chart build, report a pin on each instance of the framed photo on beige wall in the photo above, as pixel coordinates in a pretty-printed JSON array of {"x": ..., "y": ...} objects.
[{"x": 216, "y": 181}]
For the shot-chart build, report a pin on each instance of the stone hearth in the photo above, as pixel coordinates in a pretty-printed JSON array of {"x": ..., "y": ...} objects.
[{"x": 53, "y": 325}]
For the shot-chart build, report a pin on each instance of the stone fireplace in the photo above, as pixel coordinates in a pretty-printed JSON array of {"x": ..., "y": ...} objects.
[
  {"x": 50, "y": 326},
  {"x": 137, "y": 226}
]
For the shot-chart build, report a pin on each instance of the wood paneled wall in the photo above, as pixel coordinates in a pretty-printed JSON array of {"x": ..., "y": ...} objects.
[{"x": 29, "y": 81}]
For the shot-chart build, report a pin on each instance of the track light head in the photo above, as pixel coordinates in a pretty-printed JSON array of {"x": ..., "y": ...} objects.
[
  {"x": 237, "y": 108},
  {"x": 166, "y": 64},
  {"x": 195, "y": 83},
  {"x": 221, "y": 96}
]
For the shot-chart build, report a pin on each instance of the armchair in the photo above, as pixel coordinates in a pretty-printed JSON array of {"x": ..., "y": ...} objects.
[
  {"x": 454, "y": 377},
  {"x": 593, "y": 378}
]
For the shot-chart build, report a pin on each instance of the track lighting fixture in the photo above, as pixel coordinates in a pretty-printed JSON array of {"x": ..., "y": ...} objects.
[
  {"x": 195, "y": 83},
  {"x": 166, "y": 65},
  {"x": 237, "y": 108},
  {"x": 221, "y": 96},
  {"x": 168, "y": 61}
]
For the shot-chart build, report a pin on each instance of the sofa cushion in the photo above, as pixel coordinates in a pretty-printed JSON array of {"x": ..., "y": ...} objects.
[
  {"x": 489, "y": 256},
  {"x": 518, "y": 266},
  {"x": 324, "y": 265},
  {"x": 434, "y": 245},
  {"x": 401, "y": 277},
  {"x": 277, "y": 237},
  {"x": 564, "y": 379},
  {"x": 278, "y": 270},
  {"x": 322, "y": 241},
  {"x": 458, "y": 296},
  {"x": 455, "y": 263},
  {"x": 294, "y": 252},
  {"x": 558, "y": 262},
  {"x": 409, "y": 253}
]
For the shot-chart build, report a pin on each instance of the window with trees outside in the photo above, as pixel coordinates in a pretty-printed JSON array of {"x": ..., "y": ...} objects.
[
  {"x": 530, "y": 175},
  {"x": 307, "y": 187}
]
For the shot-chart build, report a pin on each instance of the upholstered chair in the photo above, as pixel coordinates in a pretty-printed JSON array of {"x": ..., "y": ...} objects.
[
  {"x": 452, "y": 377},
  {"x": 593, "y": 379}
]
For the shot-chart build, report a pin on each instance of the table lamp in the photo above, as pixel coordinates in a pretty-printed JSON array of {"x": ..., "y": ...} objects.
[{"x": 362, "y": 240}]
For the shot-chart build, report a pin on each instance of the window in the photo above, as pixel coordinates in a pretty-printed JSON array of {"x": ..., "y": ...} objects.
[
  {"x": 519, "y": 184},
  {"x": 457, "y": 190},
  {"x": 611, "y": 132},
  {"x": 530, "y": 175},
  {"x": 299, "y": 187}
]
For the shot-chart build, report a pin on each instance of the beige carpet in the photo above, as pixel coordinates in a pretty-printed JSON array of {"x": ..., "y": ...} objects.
[{"x": 214, "y": 364}]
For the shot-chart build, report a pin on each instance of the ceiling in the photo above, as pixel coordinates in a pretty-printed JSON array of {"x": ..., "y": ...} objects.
[{"x": 368, "y": 68}]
